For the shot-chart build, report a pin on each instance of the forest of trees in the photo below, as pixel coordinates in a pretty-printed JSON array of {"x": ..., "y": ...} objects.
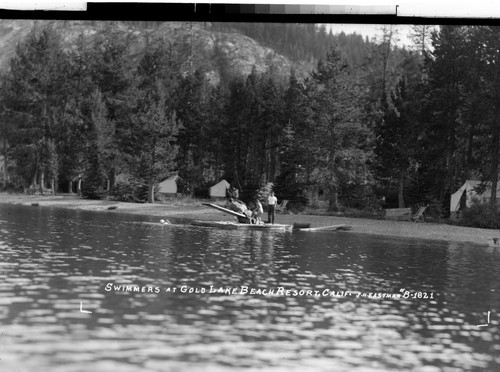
[{"x": 372, "y": 120}]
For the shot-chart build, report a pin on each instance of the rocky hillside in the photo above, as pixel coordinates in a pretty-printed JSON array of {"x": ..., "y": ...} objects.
[{"x": 211, "y": 48}]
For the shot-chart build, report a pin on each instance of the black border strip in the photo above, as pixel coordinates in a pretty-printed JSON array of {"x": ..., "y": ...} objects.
[{"x": 221, "y": 13}]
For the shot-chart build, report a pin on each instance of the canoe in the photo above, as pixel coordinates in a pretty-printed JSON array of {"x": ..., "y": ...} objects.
[
  {"x": 228, "y": 225},
  {"x": 326, "y": 228}
]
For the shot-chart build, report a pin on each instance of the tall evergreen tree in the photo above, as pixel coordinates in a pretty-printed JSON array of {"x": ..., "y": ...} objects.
[
  {"x": 296, "y": 142},
  {"x": 339, "y": 135},
  {"x": 385, "y": 48},
  {"x": 421, "y": 37},
  {"x": 111, "y": 70},
  {"x": 193, "y": 98},
  {"x": 447, "y": 75},
  {"x": 151, "y": 145},
  {"x": 101, "y": 140},
  {"x": 34, "y": 93},
  {"x": 397, "y": 138},
  {"x": 235, "y": 134},
  {"x": 217, "y": 117},
  {"x": 154, "y": 133},
  {"x": 488, "y": 51},
  {"x": 270, "y": 119}
]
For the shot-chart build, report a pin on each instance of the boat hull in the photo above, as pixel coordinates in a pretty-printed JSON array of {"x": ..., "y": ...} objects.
[{"x": 227, "y": 225}]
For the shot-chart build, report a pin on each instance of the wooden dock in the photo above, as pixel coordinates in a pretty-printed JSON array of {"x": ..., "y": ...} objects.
[
  {"x": 227, "y": 225},
  {"x": 341, "y": 227}
]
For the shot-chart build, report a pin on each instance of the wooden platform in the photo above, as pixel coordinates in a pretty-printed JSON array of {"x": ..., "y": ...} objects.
[
  {"x": 227, "y": 225},
  {"x": 325, "y": 228}
]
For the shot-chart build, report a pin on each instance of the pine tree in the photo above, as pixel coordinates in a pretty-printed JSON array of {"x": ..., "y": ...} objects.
[
  {"x": 421, "y": 37},
  {"x": 192, "y": 108},
  {"x": 34, "y": 94},
  {"x": 110, "y": 69},
  {"x": 217, "y": 123},
  {"x": 295, "y": 143},
  {"x": 235, "y": 134},
  {"x": 154, "y": 133},
  {"x": 447, "y": 74},
  {"x": 339, "y": 153},
  {"x": 397, "y": 136},
  {"x": 488, "y": 52},
  {"x": 269, "y": 123},
  {"x": 151, "y": 146}
]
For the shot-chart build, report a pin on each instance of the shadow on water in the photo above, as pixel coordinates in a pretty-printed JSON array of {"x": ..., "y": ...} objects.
[{"x": 194, "y": 298}]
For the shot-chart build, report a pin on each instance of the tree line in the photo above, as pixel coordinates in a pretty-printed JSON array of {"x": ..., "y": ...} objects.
[
  {"x": 440, "y": 123},
  {"x": 372, "y": 120}
]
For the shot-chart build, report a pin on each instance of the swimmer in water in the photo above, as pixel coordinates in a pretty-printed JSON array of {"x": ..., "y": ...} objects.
[{"x": 165, "y": 222}]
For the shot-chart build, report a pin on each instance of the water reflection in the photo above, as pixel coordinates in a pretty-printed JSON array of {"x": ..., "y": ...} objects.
[{"x": 51, "y": 259}]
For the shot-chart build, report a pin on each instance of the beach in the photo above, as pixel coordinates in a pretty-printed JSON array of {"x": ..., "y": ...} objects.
[{"x": 194, "y": 210}]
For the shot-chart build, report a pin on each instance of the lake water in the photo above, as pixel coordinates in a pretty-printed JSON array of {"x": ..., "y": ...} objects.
[{"x": 335, "y": 305}]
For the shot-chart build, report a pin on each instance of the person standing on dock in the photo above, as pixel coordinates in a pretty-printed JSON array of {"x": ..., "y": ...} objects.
[{"x": 271, "y": 205}]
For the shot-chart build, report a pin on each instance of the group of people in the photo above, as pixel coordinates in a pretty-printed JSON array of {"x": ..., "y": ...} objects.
[{"x": 255, "y": 214}]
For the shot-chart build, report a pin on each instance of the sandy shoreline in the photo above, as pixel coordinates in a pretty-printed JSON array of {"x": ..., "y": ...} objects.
[{"x": 195, "y": 210}]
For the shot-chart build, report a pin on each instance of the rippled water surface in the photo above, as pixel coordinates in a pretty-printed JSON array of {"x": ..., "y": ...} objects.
[{"x": 54, "y": 261}]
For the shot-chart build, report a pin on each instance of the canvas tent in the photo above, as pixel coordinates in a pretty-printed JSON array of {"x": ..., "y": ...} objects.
[
  {"x": 219, "y": 190},
  {"x": 467, "y": 193},
  {"x": 169, "y": 186}
]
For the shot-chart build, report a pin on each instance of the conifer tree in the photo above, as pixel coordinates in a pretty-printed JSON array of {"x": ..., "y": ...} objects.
[
  {"x": 294, "y": 144},
  {"x": 396, "y": 138},
  {"x": 34, "y": 93},
  {"x": 488, "y": 52},
  {"x": 154, "y": 133},
  {"x": 339, "y": 136},
  {"x": 110, "y": 69},
  {"x": 447, "y": 74},
  {"x": 193, "y": 97},
  {"x": 151, "y": 148}
]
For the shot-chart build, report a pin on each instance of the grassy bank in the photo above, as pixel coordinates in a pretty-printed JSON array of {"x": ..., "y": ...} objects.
[{"x": 193, "y": 209}]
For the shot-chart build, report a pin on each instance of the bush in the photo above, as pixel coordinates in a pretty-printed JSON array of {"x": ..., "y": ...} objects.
[
  {"x": 92, "y": 186},
  {"x": 132, "y": 190},
  {"x": 481, "y": 215},
  {"x": 14, "y": 187},
  {"x": 122, "y": 190},
  {"x": 202, "y": 191}
]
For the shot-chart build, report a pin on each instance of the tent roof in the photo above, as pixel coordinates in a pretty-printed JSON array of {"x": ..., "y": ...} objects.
[
  {"x": 223, "y": 182},
  {"x": 472, "y": 184},
  {"x": 171, "y": 178},
  {"x": 469, "y": 186}
]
